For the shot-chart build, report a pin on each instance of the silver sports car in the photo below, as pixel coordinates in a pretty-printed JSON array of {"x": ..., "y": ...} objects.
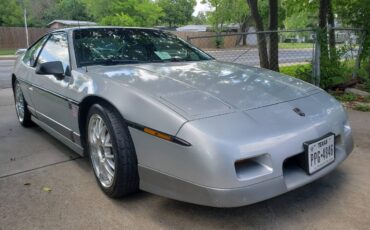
[{"x": 153, "y": 112}]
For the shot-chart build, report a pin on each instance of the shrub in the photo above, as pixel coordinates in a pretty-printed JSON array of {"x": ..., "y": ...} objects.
[
  {"x": 362, "y": 107},
  {"x": 346, "y": 97},
  {"x": 367, "y": 85},
  {"x": 219, "y": 42}
]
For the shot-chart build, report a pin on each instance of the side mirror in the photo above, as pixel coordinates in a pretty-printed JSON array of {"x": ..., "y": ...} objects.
[
  {"x": 20, "y": 52},
  {"x": 54, "y": 68}
]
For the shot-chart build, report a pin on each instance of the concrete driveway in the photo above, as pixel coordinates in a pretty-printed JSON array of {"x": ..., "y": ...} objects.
[
  {"x": 31, "y": 160},
  {"x": 6, "y": 67}
]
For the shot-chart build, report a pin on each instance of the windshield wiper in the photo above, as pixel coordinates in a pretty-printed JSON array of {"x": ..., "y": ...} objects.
[{"x": 118, "y": 61}]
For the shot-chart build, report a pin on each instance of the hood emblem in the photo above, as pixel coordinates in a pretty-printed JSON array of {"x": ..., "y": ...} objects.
[{"x": 299, "y": 112}]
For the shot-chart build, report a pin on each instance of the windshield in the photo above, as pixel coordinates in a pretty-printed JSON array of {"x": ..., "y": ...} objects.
[{"x": 109, "y": 46}]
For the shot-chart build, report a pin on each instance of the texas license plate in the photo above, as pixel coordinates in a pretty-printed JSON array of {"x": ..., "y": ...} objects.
[{"x": 320, "y": 153}]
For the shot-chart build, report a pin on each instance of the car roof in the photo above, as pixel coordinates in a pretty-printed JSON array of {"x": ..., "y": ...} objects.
[{"x": 101, "y": 27}]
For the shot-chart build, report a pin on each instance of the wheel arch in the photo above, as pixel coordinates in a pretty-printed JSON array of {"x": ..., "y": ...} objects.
[
  {"x": 13, "y": 80},
  {"x": 83, "y": 110}
]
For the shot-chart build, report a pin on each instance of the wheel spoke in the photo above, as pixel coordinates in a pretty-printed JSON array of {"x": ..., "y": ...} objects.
[
  {"x": 107, "y": 141},
  {"x": 108, "y": 169},
  {"x": 110, "y": 163}
]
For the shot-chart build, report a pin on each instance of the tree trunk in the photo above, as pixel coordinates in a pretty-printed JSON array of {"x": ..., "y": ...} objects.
[
  {"x": 261, "y": 38},
  {"x": 332, "y": 50},
  {"x": 274, "y": 37},
  {"x": 243, "y": 28},
  {"x": 323, "y": 20}
]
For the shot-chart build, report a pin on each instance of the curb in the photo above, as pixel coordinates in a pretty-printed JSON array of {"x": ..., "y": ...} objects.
[{"x": 8, "y": 57}]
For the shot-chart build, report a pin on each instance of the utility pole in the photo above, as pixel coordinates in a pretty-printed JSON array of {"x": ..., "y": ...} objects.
[{"x": 25, "y": 26}]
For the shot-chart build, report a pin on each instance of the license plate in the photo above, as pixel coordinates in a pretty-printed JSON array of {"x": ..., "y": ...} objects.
[{"x": 320, "y": 153}]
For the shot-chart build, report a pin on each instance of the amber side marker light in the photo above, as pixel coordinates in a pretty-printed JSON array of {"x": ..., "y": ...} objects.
[{"x": 159, "y": 134}]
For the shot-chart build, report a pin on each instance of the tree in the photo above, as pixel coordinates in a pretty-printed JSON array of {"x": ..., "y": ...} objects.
[
  {"x": 176, "y": 12},
  {"x": 323, "y": 22},
  {"x": 36, "y": 11},
  {"x": 229, "y": 11},
  {"x": 274, "y": 37},
  {"x": 67, "y": 10},
  {"x": 356, "y": 13},
  {"x": 200, "y": 19},
  {"x": 11, "y": 13},
  {"x": 261, "y": 38},
  {"x": 331, "y": 22},
  {"x": 125, "y": 12},
  {"x": 221, "y": 13}
]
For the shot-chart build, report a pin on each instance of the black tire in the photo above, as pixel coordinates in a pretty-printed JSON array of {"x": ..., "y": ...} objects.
[
  {"x": 126, "y": 177},
  {"x": 26, "y": 120}
]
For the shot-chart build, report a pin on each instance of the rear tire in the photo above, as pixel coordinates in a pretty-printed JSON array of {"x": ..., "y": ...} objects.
[
  {"x": 111, "y": 150},
  {"x": 23, "y": 114}
]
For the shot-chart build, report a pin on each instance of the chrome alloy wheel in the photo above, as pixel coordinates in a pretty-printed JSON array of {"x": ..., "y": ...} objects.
[
  {"x": 19, "y": 102},
  {"x": 101, "y": 150}
]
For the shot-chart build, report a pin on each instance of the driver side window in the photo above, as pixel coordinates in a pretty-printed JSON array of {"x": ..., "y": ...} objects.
[{"x": 55, "y": 49}]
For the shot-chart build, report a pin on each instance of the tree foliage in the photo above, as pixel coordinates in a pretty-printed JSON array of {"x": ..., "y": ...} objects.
[
  {"x": 356, "y": 13},
  {"x": 176, "y": 12},
  {"x": 125, "y": 12},
  {"x": 67, "y": 10},
  {"x": 11, "y": 14},
  {"x": 227, "y": 12},
  {"x": 200, "y": 19}
]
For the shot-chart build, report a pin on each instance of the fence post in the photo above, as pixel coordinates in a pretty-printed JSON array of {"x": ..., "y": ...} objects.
[{"x": 316, "y": 61}]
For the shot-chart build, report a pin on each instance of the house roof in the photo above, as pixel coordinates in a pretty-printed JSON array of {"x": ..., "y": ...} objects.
[
  {"x": 73, "y": 23},
  {"x": 195, "y": 28}
]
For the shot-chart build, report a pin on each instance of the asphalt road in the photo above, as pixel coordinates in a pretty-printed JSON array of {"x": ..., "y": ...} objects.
[
  {"x": 6, "y": 67},
  {"x": 31, "y": 160}
]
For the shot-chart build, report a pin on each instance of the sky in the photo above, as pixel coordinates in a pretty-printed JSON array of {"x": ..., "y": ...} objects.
[{"x": 201, "y": 7}]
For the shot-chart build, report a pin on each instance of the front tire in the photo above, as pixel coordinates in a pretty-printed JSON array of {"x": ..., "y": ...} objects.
[
  {"x": 111, "y": 150},
  {"x": 23, "y": 114}
]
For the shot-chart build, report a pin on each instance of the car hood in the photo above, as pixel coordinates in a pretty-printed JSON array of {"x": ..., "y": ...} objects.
[{"x": 208, "y": 88}]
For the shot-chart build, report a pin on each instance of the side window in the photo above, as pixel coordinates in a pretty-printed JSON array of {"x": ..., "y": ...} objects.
[
  {"x": 55, "y": 49},
  {"x": 30, "y": 56}
]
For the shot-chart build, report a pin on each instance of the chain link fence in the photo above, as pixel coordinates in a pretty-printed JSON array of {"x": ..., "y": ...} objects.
[{"x": 298, "y": 53}]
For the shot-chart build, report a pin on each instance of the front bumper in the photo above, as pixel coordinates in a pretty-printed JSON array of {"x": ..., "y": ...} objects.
[
  {"x": 293, "y": 177},
  {"x": 243, "y": 157}
]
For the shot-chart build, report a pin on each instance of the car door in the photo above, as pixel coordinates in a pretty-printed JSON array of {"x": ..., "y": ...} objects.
[
  {"x": 52, "y": 106},
  {"x": 25, "y": 69}
]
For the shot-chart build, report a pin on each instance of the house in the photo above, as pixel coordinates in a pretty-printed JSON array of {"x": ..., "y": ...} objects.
[
  {"x": 194, "y": 28},
  {"x": 69, "y": 23}
]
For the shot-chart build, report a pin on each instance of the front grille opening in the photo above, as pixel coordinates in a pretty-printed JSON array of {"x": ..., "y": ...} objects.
[
  {"x": 294, "y": 163},
  {"x": 338, "y": 140},
  {"x": 254, "y": 167}
]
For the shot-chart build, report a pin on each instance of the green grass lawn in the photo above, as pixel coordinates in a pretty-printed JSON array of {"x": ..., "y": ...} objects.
[
  {"x": 292, "y": 69},
  {"x": 7, "y": 52},
  {"x": 284, "y": 45}
]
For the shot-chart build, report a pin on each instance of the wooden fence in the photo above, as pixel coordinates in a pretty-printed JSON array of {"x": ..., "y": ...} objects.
[{"x": 15, "y": 38}]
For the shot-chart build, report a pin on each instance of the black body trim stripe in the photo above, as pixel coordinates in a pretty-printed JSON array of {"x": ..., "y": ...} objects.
[
  {"x": 73, "y": 136},
  {"x": 48, "y": 91}
]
